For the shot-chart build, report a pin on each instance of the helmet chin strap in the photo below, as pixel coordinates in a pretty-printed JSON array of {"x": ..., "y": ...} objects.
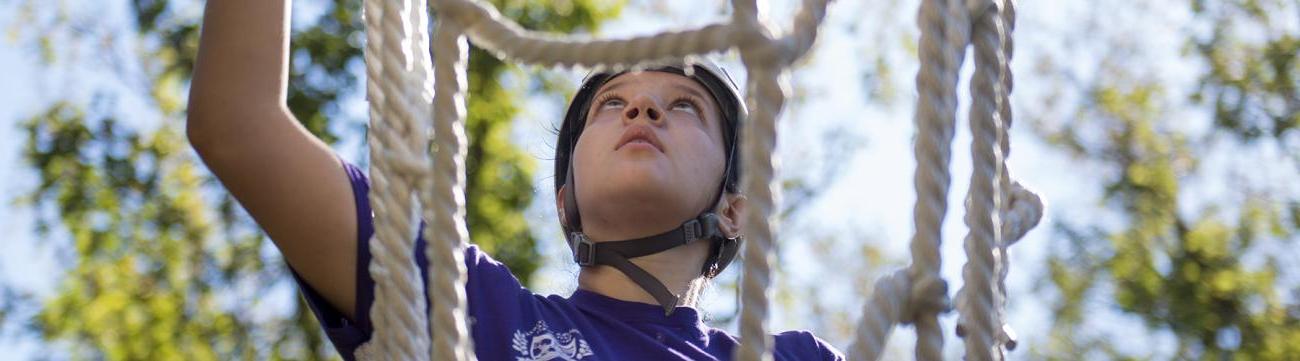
[{"x": 587, "y": 253}]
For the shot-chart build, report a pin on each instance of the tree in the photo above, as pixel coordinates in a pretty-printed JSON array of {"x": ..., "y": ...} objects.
[
  {"x": 1210, "y": 270},
  {"x": 163, "y": 263}
]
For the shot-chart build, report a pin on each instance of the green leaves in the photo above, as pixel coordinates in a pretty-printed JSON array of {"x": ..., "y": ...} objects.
[
  {"x": 140, "y": 238},
  {"x": 1196, "y": 261},
  {"x": 1253, "y": 82}
]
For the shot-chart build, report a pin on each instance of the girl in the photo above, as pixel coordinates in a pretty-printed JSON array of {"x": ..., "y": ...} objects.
[{"x": 646, "y": 189}]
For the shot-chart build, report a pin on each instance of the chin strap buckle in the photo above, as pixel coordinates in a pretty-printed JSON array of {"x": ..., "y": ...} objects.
[
  {"x": 692, "y": 231},
  {"x": 702, "y": 228},
  {"x": 584, "y": 250}
]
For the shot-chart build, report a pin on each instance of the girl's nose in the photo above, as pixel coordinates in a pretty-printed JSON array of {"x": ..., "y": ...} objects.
[
  {"x": 636, "y": 111},
  {"x": 651, "y": 112}
]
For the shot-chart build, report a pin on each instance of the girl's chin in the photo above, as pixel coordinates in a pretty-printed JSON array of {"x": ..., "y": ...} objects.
[
  {"x": 635, "y": 191},
  {"x": 638, "y": 189},
  {"x": 636, "y": 174}
]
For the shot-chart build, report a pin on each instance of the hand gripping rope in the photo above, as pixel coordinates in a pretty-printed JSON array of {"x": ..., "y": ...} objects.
[{"x": 417, "y": 144}]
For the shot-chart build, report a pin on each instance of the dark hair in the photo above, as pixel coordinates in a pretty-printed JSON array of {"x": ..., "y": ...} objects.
[{"x": 724, "y": 94}]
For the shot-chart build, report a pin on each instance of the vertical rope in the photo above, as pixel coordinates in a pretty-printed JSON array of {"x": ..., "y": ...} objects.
[
  {"x": 372, "y": 15},
  {"x": 766, "y": 96},
  {"x": 444, "y": 198},
  {"x": 977, "y": 298},
  {"x": 941, "y": 56},
  {"x": 745, "y": 13},
  {"x": 804, "y": 30},
  {"x": 397, "y": 314},
  {"x": 1006, "y": 339}
]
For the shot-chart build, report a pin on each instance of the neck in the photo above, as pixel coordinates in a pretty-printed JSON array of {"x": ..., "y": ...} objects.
[{"x": 676, "y": 268}]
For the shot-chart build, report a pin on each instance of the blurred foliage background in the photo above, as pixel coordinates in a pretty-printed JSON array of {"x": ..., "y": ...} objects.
[
  {"x": 1197, "y": 240},
  {"x": 1191, "y": 233}
]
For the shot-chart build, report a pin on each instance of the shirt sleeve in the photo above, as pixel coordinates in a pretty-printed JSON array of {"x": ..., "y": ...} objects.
[
  {"x": 487, "y": 280},
  {"x": 348, "y": 334}
]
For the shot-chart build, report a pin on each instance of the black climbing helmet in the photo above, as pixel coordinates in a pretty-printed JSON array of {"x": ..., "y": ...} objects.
[{"x": 703, "y": 227}]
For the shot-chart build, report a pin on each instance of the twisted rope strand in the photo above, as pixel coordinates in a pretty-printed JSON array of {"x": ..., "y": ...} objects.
[
  {"x": 398, "y": 308},
  {"x": 745, "y": 12},
  {"x": 372, "y": 13},
  {"x": 445, "y": 199},
  {"x": 507, "y": 40},
  {"x": 977, "y": 297},
  {"x": 1006, "y": 336},
  {"x": 804, "y": 30},
  {"x": 767, "y": 92},
  {"x": 941, "y": 57},
  {"x": 943, "y": 42}
]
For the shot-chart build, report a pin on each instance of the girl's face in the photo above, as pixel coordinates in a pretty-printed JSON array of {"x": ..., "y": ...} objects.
[{"x": 652, "y": 149}]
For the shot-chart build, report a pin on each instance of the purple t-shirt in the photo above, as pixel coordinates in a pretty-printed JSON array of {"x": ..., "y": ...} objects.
[{"x": 509, "y": 322}]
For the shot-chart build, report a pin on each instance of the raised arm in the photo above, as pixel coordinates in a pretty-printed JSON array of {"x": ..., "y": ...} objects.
[{"x": 287, "y": 179}]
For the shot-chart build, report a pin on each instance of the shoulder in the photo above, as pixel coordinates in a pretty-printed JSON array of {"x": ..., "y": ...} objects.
[{"x": 803, "y": 345}]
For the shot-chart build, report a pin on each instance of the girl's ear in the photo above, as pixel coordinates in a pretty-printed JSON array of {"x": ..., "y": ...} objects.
[
  {"x": 731, "y": 213},
  {"x": 559, "y": 204}
]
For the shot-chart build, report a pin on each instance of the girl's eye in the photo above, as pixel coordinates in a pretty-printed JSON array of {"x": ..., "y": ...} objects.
[
  {"x": 685, "y": 105},
  {"x": 612, "y": 102}
]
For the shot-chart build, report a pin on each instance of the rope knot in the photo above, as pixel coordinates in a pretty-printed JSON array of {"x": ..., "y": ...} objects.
[
  {"x": 928, "y": 295},
  {"x": 1024, "y": 211},
  {"x": 759, "y": 47}
]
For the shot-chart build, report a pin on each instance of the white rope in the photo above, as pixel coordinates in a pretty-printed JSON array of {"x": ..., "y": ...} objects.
[
  {"x": 398, "y": 89},
  {"x": 942, "y": 51},
  {"x": 766, "y": 95},
  {"x": 766, "y": 91},
  {"x": 758, "y": 142},
  {"x": 977, "y": 304},
  {"x": 445, "y": 199},
  {"x": 1006, "y": 340},
  {"x": 396, "y": 104}
]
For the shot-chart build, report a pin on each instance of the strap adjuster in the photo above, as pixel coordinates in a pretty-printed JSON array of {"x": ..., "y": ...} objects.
[
  {"x": 693, "y": 231},
  {"x": 704, "y": 227},
  {"x": 584, "y": 250}
]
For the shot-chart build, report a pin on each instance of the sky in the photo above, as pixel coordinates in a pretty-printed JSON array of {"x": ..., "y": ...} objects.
[{"x": 862, "y": 123}]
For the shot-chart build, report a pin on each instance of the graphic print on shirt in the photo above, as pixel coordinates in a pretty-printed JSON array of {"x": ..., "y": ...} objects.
[{"x": 540, "y": 344}]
